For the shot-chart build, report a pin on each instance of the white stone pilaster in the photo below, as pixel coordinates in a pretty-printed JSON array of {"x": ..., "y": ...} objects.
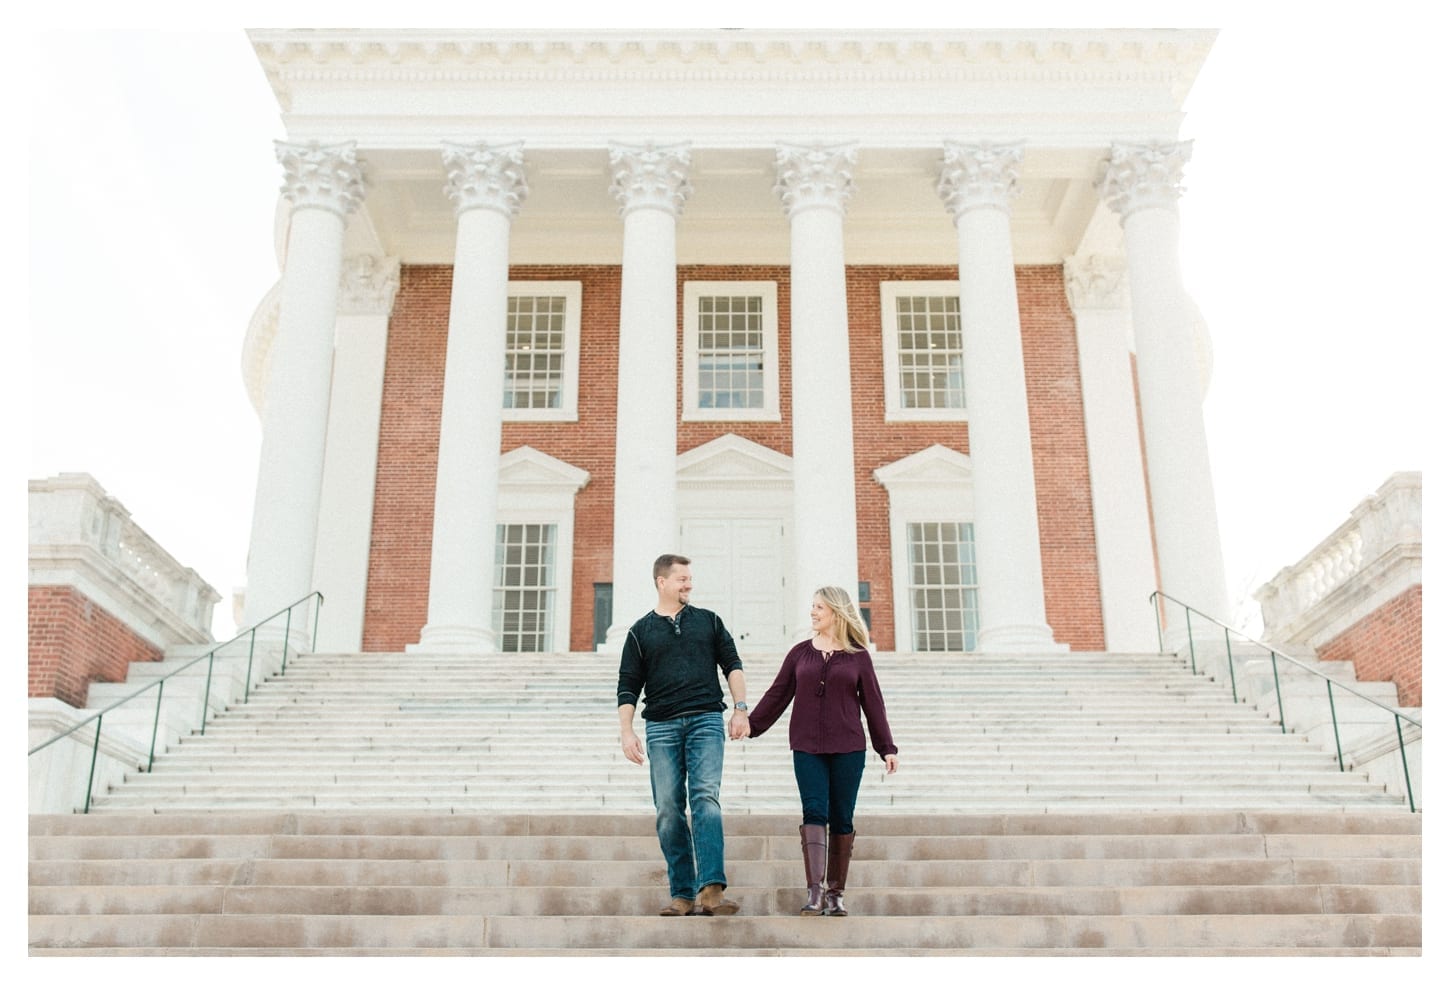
[
  {"x": 487, "y": 185},
  {"x": 1142, "y": 183},
  {"x": 344, "y": 527},
  {"x": 978, "y": 183},
  {"x": 324, "y": 185},
  {"x": 1097, "y": 290},
  {"x": 651, "y": 186},
  {"x": 814, "y": 184}
]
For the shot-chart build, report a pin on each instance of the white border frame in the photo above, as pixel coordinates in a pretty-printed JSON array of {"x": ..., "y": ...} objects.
[
  {"x": 891, "y": 355},
  {"x": 573, "y": 293},
  {"x": 767, "y": 290}
]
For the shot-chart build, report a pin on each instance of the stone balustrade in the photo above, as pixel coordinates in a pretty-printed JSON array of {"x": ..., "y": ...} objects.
[{"x": 1373, "y": 557}]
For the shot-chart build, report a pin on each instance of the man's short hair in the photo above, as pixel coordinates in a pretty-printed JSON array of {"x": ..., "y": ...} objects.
[{"x": 665, "y": 562}]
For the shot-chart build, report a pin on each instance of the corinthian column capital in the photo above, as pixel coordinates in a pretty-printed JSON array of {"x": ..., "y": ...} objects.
[
  {"x": 976, "y": 176},
  {"x": 650, "y": 177},
  {"x": 369, "y": 284},
  {"x": 1139, "y": 176},
  {"x": 484, "y": 176},
  {"x": 808, "y": 177},
  {"x": 321, "y": 177},
  {"x": 1096, "y": 281}
]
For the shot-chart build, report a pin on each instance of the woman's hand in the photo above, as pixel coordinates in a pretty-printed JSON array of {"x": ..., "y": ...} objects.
[{"x": 890, "y": 764}]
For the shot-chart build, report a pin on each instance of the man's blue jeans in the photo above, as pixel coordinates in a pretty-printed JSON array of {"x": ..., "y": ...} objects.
[{"x": 686, "y": 758}]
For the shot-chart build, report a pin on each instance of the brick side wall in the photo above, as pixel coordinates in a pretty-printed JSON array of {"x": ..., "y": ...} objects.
[
  {"x": 397, "y": 597},
  {"x": 1385, "y": 646},
  {"x": 73, "y": 641},
  {"x": 1059, "y": 460}
]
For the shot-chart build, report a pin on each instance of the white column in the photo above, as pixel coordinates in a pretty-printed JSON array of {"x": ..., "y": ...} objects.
[
  {"x": 1142, "y": 184},
  {"x": 324, "y": 185},
  {"x": 486, "y": 184},
  {"x": 651, "y": 186},
  {"x": 1097, "y": 289},
  {"x": 977, "y": 184},
  {"x": 345, "y": 521},
  {"x": 814, "y": 184}
]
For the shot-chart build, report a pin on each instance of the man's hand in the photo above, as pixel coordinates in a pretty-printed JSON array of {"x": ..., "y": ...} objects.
[
  {"x": 633, "y": 748},
  {"x": 739, "y": 725}
]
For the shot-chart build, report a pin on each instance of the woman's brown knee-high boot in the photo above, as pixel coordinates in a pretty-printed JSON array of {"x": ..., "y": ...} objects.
[
  {"x": 813, "y": 850},
  {"x": 837, "y": 865}
]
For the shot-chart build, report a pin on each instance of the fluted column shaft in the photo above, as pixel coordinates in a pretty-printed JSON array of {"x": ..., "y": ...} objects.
[
  {"x": 1142, "y": 183},
  {"x": 814, "y": 184},
  {"x": 323, "y": 185},
  {"x": 486, "y": 185},
  {"x": 651, "y": 186},
  {"x": 977, "y": 184}
]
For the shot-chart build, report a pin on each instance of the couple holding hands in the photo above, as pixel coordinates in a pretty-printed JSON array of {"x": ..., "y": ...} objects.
[{"x": 672, "y": 661}]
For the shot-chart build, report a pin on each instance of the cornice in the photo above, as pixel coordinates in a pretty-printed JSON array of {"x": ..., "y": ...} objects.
[{"x": 311, "y": 57}]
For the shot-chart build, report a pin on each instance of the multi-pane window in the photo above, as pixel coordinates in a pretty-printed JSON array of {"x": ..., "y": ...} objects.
[
  {"x": 523, "y": 595},
  {"x": 921, "y": 339},
  {"x": 541, "y": 351},
  {"x": 943, "y": 586},
  {"x": 929, "y": 351},
  {"x": 731, "y": 361},
  {"x": 534, "y": 352},
  {"x": 731, "y": 370}
]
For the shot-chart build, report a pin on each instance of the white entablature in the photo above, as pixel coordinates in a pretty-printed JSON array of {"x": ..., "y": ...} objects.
[{"x": 732, "y": 96}]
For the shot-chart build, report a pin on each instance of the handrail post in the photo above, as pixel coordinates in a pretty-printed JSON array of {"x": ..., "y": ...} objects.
[
  {"x": 1405, "y": 762},
  {"x": 155, "y": 724},
  {"x": 1338, "y": 747},
  {"x": 316, "y": 619},
  {"x": 1157, "y": 603},
  {"x": 1278, "y": 693},
  {"x": 1233, "y": 683},
  {"x": 206, "y": 694},
  {"x": 91, "y": 777},
  {"x": 1192, "y": 656},
  {"x": 251, "y": 649},
  {"x": 286, "y": 637}
]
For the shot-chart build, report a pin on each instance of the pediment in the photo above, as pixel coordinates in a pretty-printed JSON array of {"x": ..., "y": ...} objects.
[
  {"x": 528, "y": 466},
  {"x": 733, "y": 458},
  {"x": 935, "y": 465}
]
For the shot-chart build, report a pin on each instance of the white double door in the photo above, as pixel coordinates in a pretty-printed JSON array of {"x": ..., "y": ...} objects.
[{"x": 739, "y": 569}]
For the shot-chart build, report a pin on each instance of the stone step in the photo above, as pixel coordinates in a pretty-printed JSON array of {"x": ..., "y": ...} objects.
[{"x": 624, "y": 934}]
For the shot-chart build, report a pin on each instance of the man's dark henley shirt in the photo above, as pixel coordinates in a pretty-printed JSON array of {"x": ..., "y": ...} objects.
[{"x": 676, "y": 675}]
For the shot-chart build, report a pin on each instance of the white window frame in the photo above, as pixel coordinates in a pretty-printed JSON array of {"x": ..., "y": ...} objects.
[
  {"x": 891, "y": 291},
  {"x": 910, "y": 589},
  {"x": 770, "y": 339},
  {"x": 572, "y": 291},
  {"x": 551, "y": 590}
]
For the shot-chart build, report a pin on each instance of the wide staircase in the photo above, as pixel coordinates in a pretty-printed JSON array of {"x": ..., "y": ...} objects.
[{"x": 410, "y": 803}]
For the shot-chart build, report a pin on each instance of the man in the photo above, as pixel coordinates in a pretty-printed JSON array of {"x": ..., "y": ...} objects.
[{"x": 673, "y": 658}]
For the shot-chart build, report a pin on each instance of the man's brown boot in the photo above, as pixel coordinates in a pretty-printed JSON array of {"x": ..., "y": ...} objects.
[
  {"x": 813, "y": 851},
  {"x": 678, "y": 908},
  {"x": 837, "y": 865},
  {"x": 712, "y": 901}
]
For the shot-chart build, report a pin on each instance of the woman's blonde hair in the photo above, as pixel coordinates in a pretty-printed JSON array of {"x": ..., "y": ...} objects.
[{"x": 850, "y": 629}]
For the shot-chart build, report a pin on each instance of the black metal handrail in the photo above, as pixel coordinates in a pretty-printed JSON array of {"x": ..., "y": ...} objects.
[
  {"x": 160, "y": 685},
  {"x": 1275, "y": 656}
]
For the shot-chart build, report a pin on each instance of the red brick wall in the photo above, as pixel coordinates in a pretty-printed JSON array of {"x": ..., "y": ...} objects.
[
  {"x": 1385, "y": 646},
  {"x": 73, "y": 641},
  {"x": 397, "y": 597}
]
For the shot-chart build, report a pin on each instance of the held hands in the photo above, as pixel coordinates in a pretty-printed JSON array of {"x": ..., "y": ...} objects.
[
  {"x": 739, "y": 725},
  {"x": 890, "y": 764},
  {"x": 633, "y": 748}
]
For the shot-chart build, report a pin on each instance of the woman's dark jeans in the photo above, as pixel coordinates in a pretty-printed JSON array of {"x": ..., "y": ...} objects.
[{"x": 828, "y": 784}]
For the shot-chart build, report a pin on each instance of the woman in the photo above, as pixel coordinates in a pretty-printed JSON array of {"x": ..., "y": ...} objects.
[{"x": 832, "y": 679}]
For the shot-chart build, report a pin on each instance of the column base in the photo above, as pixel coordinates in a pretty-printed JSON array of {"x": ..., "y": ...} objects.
[
  {"x": 1018, "y": 639},
  {"x": 454, "y": 639}
]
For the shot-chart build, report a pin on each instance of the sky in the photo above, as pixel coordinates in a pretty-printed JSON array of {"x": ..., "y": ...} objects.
[{"x": 152, "y": 189}]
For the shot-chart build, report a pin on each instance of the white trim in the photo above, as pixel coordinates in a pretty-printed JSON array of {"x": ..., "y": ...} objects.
[
  {"x": 766, "y": 290},
  {"x": 572, "y": 291},
  {"x": 933, "y": 485},
  {"x": 891, "y": 291},
  {"x": 534, "y": 487}
]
